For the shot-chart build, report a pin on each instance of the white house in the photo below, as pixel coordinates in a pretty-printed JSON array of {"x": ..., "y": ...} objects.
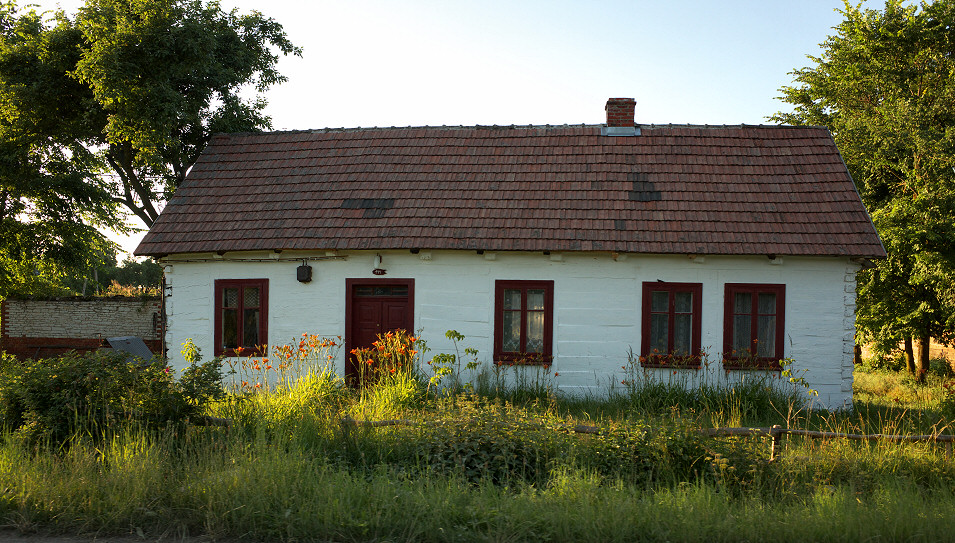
[{"x": 707, "y": 250}]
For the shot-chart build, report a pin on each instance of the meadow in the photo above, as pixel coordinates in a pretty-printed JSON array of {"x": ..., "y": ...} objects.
[{"x": 471, "y": 454}]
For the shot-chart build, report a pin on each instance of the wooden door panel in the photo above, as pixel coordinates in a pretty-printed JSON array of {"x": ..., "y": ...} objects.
[
  {"x": 367, "y": 322},
  {"x": 395, "y": 315}
]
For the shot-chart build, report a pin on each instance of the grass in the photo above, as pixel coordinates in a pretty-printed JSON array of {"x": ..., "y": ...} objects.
[{"x": 501, "y": 464}]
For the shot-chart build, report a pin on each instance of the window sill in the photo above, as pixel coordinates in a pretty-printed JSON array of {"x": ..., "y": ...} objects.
[
  {"x": 666, "y": 362},
  {"x": 541, "y": 360},
  {"x": 669, "y": 365},
  {"x": 241, "y": 352},
  {"x": 765, "y": 365}
]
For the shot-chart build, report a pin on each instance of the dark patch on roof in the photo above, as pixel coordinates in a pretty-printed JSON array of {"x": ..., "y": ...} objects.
[
  {"x": 368, "y": 203},
  {"x": 643, "y": 190}
]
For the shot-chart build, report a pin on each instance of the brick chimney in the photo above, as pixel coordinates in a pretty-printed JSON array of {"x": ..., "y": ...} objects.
[
  {"x": 620, "y": 111},
  {"x": 620, "y": 117}
]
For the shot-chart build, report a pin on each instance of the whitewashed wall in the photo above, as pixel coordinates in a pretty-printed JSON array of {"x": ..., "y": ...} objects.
[{"x": 597, "y": 303}]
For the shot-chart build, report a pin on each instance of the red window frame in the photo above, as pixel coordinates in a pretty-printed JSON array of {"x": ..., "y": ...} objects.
[
  {"x": 650, "y": 359},
  {"x": 263, "y": 327},
  {"x": 733, "y": 360},
  {"x": 521, "y": 357}
]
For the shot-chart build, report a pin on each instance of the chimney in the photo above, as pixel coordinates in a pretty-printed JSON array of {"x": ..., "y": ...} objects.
[{"x": 620, "y": 117}]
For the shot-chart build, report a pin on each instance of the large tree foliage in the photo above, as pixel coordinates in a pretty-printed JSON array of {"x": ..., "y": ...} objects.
[
  {"x": 51, "y": 202},
  {"x": 885, "y": 85},
  {"x": 108, "y": 109},
  {"x": 141, "y": 85}
]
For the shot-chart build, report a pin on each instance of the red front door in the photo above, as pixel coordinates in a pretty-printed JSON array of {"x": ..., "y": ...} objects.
[{"x": 374, "y": 307}]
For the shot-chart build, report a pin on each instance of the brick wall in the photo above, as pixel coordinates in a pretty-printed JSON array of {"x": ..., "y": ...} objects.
[{"x": 43, "y": 328}]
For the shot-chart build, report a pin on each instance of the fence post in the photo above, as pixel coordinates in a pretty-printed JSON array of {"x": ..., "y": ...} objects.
[{"x": 776, "y": 433}]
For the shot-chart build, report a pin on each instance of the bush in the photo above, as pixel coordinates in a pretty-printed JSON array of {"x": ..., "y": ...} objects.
[
  {"x": 492, "y": 442},
  {"x": 51, "y": 400}
]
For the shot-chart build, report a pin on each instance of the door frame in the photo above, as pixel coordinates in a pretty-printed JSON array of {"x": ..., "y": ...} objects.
[{"x": 350, "y": 285}]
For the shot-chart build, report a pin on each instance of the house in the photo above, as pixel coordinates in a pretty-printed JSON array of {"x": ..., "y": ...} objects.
[{"x": 712, "y": 251}]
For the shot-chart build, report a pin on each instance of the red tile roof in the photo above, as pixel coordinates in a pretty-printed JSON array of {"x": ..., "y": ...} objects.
[{"x": 733, "y": 190}]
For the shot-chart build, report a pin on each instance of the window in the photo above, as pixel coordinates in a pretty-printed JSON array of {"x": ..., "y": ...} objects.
[
  {"x": 670, "y": 335},
  {"x": 753, "y": 326},
  {"x": 523, "y": 322},
  {"x": 241, "y": 319}
]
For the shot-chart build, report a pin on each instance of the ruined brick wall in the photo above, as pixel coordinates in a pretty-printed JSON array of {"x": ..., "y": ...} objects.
[{"x": 44, "y": 328}]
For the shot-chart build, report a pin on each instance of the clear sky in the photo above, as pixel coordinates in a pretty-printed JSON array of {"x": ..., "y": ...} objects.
[{"x": 450, "y": 62}]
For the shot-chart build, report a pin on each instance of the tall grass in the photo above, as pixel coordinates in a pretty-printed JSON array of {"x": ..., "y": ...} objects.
[{"x": 501, "y": 462}]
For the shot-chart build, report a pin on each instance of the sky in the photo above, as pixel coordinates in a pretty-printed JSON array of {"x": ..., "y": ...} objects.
[{"x": 449, "y": 62}]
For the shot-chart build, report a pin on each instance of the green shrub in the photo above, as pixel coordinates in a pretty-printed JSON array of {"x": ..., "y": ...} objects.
[
  {"x": 51, "y": 400},
  {"x": 490, "y": 441}
]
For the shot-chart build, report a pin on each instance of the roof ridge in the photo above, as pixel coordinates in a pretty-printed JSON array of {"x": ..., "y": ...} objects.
[
  {"x": 651, "y": 126},
  {"x": 741, "y": 125},
  {"x": 419, "y": 127}
]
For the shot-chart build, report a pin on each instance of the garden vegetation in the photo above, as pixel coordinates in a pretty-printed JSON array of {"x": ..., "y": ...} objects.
[{"x": 284, "y": 451}]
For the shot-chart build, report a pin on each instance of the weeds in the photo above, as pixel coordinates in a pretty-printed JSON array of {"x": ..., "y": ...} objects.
[{"x": 502, "y": 461}]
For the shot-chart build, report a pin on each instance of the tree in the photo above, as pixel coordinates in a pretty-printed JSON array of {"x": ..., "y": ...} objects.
[
  {"x": 108, "y": 110},
  {"x": 142, "y": 85},
  {"x": 885, "y": 86},
  {"x": 51, "y": 203}
]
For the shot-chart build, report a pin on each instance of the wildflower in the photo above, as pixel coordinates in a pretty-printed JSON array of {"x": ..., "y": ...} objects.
[
  {"x": 238, "y": 350},
  {"x": 556, "y": 374}
]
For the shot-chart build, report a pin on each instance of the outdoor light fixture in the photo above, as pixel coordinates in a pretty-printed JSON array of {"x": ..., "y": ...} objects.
[
  {"x": 377, "y": 269},
  {"x": 304, "y": 273}
]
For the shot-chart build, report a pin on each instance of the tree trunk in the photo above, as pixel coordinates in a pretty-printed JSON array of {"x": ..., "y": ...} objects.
[
  {"x": 909, "y": 355},
  {"x": 923, "y": 360},
  {"x": 857, "y": 355}
]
